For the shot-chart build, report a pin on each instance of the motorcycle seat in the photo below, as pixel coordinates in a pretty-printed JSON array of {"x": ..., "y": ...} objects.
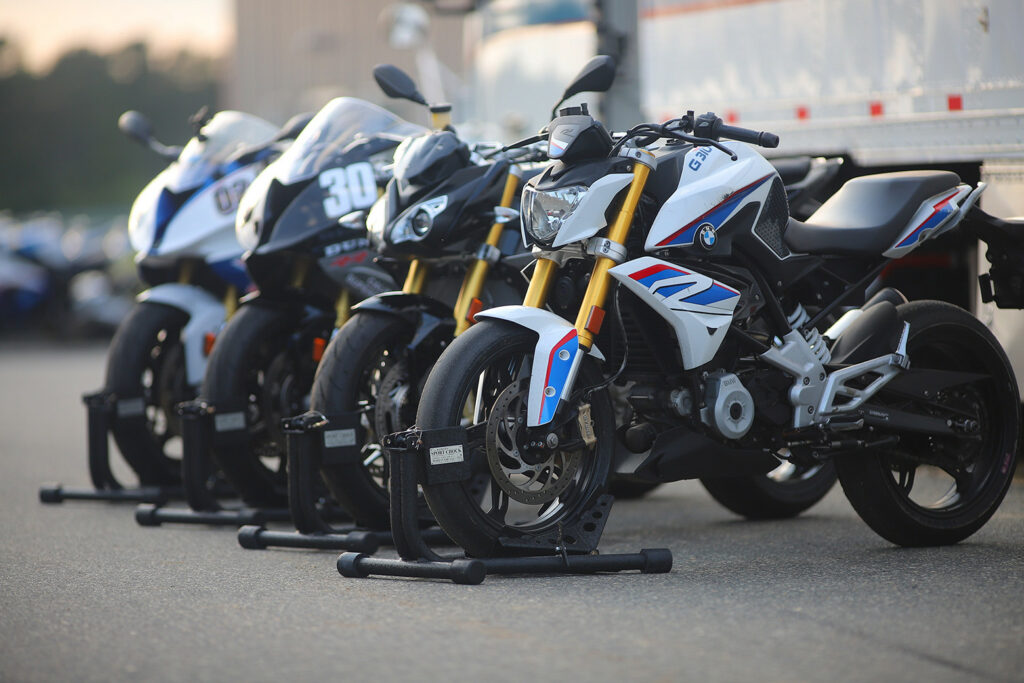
[
  {"x": 792, "y": 169},
  {"x": 867, "y": 214}
]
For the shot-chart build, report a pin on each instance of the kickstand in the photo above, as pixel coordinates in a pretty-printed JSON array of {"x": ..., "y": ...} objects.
[
  {"x": 103, "y": 410},
  {"x": 559, "y": 555},
  {"x": 197, "y": 473},
  {"x": 307, "y": 438}
]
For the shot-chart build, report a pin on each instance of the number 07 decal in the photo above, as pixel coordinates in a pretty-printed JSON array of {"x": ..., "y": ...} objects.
[{"x": 348, "y": 188}]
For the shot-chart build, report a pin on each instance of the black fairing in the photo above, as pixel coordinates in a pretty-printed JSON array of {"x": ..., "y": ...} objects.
[
  {"x": 472, "y": 194},
  {"x": 577, "y": 136},
  {"x": 295, "y": 232},
  {"x": 558, "y": 174},
  {"x": 431, "y": 159}
]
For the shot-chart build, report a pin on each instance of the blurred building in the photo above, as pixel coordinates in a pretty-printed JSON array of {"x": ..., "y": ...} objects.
[{"x": 294, "y": 56}]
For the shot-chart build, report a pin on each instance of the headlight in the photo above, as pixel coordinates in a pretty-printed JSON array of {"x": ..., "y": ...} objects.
[
  {"x": 416, "y": 222},
  {"x": 545, "y": 212}
]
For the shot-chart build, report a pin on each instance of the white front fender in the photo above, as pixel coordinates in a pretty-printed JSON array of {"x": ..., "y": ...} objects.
[
  {"x": 205, "y": 312},
  {"x": 556, "y": 357}
]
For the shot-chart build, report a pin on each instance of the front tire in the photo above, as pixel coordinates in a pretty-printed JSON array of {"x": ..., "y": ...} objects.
[
  {"x": 146, "y": 362},
  {"x": 256, "y": 369},
  {"x": 493, "y": 358},
  {"x": 938, "y": 490},
  {"x": 363, "y": 358}
]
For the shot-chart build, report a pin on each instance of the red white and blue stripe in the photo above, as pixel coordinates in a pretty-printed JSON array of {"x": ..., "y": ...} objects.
[
  {"x": 941, "y": 210},
  {"x": 650, "y": 276},
  {"x": 558, "y": 374},
  {"x": 716, "y": 216}
]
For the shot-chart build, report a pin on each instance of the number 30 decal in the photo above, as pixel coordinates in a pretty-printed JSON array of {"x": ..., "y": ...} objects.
[{"x": 349, "y": 188}]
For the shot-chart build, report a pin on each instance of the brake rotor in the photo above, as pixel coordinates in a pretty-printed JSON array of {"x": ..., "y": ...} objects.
[
  {"x": 282, "y": 396},
  {"x": 506, "y": 431},
  {"x": 395, "y": 407}
]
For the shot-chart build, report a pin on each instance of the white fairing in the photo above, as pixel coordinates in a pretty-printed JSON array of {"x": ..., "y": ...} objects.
[
  {"x": 198, "y": 227},
  {"x": 936, "y": 215},
  {"x": 556, "y": 358},
  {"x": 698, "y": 308},
  {"x": 703, "y": 197},
  {"x": 205, "y": 314},
  {"x": 588, "y": 218},
  {"x": 205, "y": 225}
]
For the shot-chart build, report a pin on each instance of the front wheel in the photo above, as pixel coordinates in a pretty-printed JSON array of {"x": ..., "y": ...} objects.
[
  {"x": 261, "y": 369},
  {"x": 930, "y": 490},
  {"x": 481, "y": 382},
  {"x": 146, "y": 371},
  {"x": 364, "y": 370}
]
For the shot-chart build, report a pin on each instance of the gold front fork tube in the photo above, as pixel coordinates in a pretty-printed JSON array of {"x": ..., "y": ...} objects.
[
  {"x": 343, "y": 308},
  {"x": 600, "y": 280},
  {"x": 473, "y": 283},
  {"x": 416, "y": 278},
  {"x": 540, "y": 283},
  {"x": 440, "y": 116},
  {"x": 230, "y": 302},
  {"x": 185, "y": 272}
]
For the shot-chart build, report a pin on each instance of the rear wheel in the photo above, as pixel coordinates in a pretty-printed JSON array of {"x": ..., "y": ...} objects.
[
  {"x": 481, "y": 383},
  {"x": 936, "y": 490},
  {"x": 784, "y": 492},
  {"x": 146, "y": 371}
]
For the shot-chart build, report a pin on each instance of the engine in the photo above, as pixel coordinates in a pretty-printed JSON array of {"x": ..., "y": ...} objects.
[{"x": 729, "y": 407}]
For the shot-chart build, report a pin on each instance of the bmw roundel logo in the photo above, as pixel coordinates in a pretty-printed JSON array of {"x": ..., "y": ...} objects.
[{"x": 707, "y": 236}]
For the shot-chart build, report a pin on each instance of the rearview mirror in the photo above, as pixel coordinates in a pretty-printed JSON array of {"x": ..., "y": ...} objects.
[
  {"x": 396, "y": 83},
  {"x": 596, "y": 75},
  {"x": 136, "y": 126}
]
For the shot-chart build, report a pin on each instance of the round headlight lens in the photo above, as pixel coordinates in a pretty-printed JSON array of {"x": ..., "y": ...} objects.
[{"x": 421, "y": 223}]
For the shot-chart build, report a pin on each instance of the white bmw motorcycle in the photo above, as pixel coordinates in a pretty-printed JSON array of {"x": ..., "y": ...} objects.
[
  {"x": 714, "y": 337},
  {"x": 182, "y": 229}
]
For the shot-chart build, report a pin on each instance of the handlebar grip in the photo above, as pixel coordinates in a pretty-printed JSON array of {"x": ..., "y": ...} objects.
[{"x": 747, "y": 135}]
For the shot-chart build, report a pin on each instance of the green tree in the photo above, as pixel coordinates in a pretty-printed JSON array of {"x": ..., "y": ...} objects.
[{"x": 59, "y": 142}]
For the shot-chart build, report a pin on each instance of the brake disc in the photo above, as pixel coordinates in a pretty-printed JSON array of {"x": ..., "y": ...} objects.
[
  {"x": 531, "y": 484},
  {"x": 396, "y": 406}
]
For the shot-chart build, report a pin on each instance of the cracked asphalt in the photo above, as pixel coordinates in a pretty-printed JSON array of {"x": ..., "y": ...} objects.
[{"x": 88, "y": 595}]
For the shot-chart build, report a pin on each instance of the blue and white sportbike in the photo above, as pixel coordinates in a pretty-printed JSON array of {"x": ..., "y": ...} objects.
[
  {"x": 716, "y": 337},
  {"x": 182, "y": 227}
]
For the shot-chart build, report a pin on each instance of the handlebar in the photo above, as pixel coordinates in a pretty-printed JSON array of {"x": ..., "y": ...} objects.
[
  {"x": 712, "y": 127},
  {"x": 753, "y": 137}
]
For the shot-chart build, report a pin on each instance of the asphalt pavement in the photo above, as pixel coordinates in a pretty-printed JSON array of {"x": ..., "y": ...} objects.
[{"x": 88, "y": 595}]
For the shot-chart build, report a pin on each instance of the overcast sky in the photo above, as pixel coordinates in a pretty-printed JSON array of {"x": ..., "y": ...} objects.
[{"x": 45, "y": 28}]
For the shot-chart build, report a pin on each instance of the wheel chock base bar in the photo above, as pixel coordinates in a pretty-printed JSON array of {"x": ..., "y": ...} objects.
[
  {"x": 155, "y": 515},
  {"x": 102, "y": 411},
  {"x": 406, "y": 452}
]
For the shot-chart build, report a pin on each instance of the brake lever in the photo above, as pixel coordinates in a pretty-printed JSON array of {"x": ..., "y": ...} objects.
[{"x": 706, "y": 141}]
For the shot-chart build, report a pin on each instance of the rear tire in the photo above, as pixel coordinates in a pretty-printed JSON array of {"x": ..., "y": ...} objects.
[
  {"x": 780, "y": 494},
  {"x": 891, "y": 489},
  {"x": 146, "y": 361}
]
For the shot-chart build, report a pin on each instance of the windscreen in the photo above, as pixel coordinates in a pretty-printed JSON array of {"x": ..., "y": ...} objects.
[
  {"x": 341, "y": 122},
  {"x": 223, "y": 135}
]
